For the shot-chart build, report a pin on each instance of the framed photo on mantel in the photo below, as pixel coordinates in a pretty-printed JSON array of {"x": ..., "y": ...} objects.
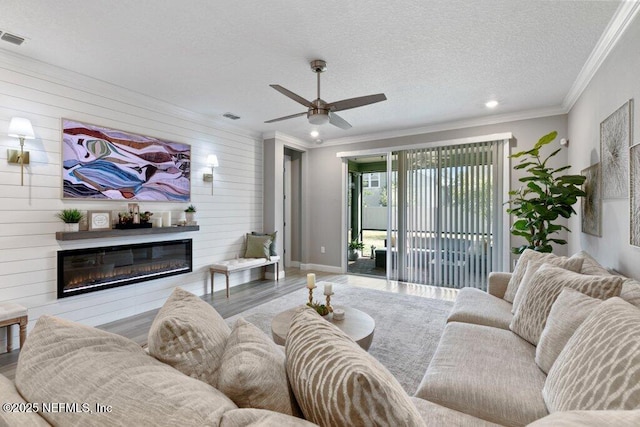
[{"x": 99, "y": 220}]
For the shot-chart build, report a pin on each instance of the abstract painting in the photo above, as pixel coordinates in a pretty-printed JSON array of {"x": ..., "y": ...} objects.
[
  {"x": 615, "y": 139},
  {"x": 635, "y": 195},
  {"x": 592, "y": 202},
  {"x": 102, "y": 163}
]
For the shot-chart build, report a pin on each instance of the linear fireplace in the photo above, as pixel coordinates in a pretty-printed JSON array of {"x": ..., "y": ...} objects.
[{"x": 93, "y": 269}]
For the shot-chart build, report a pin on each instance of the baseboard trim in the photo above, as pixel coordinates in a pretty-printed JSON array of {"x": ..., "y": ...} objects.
[
  {"x": 294, "y": 264},
  {"x": 320, "y": 267},
  {"x": 272, "y": 276}
]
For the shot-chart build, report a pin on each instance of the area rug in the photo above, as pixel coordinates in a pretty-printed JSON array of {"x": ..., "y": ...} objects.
[{"x": 407, "y": 327}]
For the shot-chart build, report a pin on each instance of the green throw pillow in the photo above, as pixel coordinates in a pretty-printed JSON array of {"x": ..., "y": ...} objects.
[
  {"x": 257, "y": 246},
  {"x": 272, "y": 248}
]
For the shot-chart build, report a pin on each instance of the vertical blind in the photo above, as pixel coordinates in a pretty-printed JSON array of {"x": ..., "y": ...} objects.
[{"x": 446, "y": 214}]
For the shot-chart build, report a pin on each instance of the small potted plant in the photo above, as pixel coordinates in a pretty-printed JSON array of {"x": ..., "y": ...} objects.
[
  {"x": 321, "y": 309},
  {"x": 191, "y": 214},
  {"x": 71, "y": 219},
  {"x": 354, "y": 247}
]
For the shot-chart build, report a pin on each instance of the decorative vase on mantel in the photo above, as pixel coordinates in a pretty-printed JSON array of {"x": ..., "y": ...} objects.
[{"x": 71, "y": 226}]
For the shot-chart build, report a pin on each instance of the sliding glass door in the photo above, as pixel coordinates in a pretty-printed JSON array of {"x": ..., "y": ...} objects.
[{"x": 446, "y": 214}]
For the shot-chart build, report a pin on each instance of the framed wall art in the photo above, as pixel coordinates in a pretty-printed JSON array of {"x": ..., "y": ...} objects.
[
  {"x": 634, "y": 217},
  {"x": 99, "y": 220},
  {"x": 615, "y": 139},
  {"x": 592, "y": 202},
  {"x": 109, "y": 164}
]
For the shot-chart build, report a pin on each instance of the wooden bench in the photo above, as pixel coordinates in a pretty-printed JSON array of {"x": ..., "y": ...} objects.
[
  {"x": 13, "y": 314},
  {"x": 241, "y": 264}
]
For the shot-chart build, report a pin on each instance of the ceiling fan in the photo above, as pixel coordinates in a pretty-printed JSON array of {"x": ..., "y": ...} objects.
[{"x": 320, "y": 112}]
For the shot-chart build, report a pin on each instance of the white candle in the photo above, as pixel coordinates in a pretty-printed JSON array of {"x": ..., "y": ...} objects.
[
  {"x": 328, "y": 288},
  {"x": 311, "y": 280},
  {"x": 166, "y": 219}
]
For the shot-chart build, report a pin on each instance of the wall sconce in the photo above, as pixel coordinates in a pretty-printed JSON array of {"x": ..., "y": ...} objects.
[
  {"x": 20, "y": 128},
  {"x": 212, "y": 162}
]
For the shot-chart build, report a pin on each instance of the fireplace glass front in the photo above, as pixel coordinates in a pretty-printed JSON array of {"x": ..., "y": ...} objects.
[{"x": 94, "y": 269}]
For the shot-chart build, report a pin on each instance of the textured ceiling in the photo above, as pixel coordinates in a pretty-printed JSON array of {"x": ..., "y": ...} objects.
[{"x": 437, "y": 61}]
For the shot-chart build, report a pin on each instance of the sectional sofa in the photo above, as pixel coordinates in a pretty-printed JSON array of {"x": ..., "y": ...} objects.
[{"x": 528, "y": 352}]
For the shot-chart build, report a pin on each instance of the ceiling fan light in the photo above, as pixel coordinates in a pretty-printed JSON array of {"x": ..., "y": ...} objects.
[{"x": 319, "y": 119}]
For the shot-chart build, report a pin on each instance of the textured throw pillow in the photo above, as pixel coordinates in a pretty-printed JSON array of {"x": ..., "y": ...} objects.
[
  {"x": 566, "y": 315},
  {"x": 545, "y": 286},
  {"x": 253, "y": 372},
  {"x": 533, "y": 266},
  {"x": 189, "y": 335},
  {"x": 521, "y": 268},
  {"x": 631, "y": 292},
  {"x": 336, "y": 383},
  {"x": 273, "y": 236},
  {"x": 590, "y": 265},
  {"x": 66, "y": 362},
  {"x": 599, "y": 368},
  {"x": 258, "y": 247}
]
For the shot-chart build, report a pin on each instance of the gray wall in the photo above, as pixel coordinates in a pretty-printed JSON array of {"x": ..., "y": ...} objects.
[
  {"x": 614, "y": 84},
  {"x": 325, "y": 177}
]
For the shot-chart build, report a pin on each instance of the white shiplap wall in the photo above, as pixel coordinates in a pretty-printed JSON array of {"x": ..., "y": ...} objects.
[{"x": 28, "y": 247}]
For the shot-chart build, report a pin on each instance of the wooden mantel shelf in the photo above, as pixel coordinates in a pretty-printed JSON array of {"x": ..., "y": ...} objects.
[{"x": 80, "y": 235}]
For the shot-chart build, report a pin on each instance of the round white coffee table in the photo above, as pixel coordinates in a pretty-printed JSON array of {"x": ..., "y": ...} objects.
[{"x": 356, "y": 324}]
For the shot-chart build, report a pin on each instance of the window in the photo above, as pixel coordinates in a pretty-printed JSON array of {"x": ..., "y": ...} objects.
[{"x": 371, "y": 180}]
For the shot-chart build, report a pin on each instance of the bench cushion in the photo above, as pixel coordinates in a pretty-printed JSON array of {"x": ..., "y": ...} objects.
[
  {"x": 11, "y": 310},
  {"x": 243, "y": 263}
]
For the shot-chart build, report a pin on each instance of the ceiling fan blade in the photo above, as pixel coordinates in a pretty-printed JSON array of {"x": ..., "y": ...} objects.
[
  {"x": 336, "y": 120},
  {"x": 295, "y": 97},
  {"x": 286, "y": 117},
  {"x": 346, "y": 104}
]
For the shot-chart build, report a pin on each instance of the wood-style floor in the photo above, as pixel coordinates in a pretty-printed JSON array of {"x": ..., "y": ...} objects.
[{"x": 249, "y": 295}]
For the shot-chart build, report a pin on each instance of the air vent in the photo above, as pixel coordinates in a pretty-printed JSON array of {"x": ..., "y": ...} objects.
[
  {"x": 231, "y": 116},
  {"x": 12, "y": 38}
]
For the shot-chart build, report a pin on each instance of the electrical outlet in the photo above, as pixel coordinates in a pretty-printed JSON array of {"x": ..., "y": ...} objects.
[{"x": 322, "y": 249}]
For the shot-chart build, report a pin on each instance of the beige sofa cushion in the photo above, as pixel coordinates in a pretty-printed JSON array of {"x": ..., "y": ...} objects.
[
  {"x": 485, "y": 372},
  {"x": 590, "y": 419},
  {"x": 16, "y": 416},
  {"x": 337, "y": 383},
  {"x": 251, "y": 417},
  {"x": 521, "y": 269},
  {"x": 566, "y": 315},
  {"x": 533, "y": 266},
  {"x": 189, "y": 335},
  {"x": 66, "y": 362},
  {"x": 543, "y": 289},
  {"x": 438, "y": 416},
  {"x": 599, "y": 368},
  {"x": 253, "y": 373},
  {"x": 475, "y": 306}
]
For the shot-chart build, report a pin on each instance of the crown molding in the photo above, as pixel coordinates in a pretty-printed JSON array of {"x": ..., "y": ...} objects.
[
  {"x": 625, "y": 14},
  {"x": 289, "y": 140},
  {"x": 72, "y": 79},
  {"x": 488, "y": 120}
]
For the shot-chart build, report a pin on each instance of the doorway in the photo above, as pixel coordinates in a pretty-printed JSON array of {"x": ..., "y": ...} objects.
[{"x": 368, "y": 215}]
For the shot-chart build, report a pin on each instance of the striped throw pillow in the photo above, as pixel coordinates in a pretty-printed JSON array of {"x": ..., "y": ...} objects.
[
  {"x": 599, "y": 368},
  {"x": 337, "y": 383}
]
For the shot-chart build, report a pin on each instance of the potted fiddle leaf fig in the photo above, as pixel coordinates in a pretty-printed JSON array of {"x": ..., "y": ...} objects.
[{"x": 546, "y": 196}]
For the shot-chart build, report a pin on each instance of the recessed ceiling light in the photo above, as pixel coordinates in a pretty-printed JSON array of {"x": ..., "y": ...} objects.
[
  {"x": 491, "y": 104},
  {"x": 314, "y": 133}
]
